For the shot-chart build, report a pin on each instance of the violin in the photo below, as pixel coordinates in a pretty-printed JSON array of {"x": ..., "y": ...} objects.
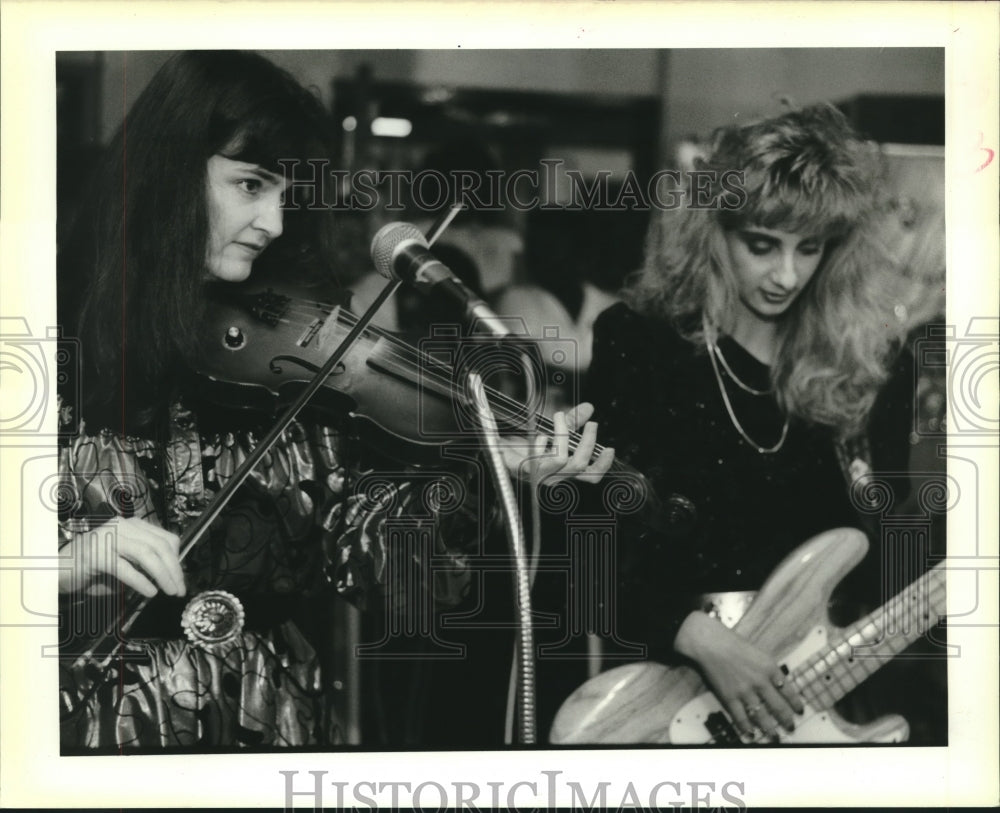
[
  {"x": 264, "y": 340},
  {"x": 263, "y": 343}
]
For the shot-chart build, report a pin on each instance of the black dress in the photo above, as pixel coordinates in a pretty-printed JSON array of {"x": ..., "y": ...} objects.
[{"x": 732, "y": 513}]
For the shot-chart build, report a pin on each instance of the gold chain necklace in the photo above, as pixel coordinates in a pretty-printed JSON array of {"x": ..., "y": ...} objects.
[{"x": 712, "y": 350}]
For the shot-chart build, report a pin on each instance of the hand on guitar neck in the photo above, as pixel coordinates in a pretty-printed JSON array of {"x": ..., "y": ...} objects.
[{"x": 750, "y": 685}]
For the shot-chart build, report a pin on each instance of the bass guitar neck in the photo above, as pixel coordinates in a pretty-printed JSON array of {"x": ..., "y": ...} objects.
[{"x": 652, "y": 703}]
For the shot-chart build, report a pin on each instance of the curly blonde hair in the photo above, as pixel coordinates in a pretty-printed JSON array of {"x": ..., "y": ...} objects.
[{"x": 804, "y": 172}]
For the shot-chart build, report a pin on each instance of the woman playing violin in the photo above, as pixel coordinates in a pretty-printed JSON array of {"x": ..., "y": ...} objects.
[
  {"x": 189, "y": 193},
  {"x": 760, "y": 336}
]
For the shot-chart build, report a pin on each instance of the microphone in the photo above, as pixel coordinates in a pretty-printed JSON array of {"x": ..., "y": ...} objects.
[{"x": 400, "y": 251}]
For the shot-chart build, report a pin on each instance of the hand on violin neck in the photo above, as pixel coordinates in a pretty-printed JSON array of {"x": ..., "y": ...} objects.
[{"x": 549, "y": 458}]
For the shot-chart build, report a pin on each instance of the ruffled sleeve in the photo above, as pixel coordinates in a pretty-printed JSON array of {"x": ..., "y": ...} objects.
[
  {"x": 407, "y": 538},
  {"x": 307, "y": 511},
  {"x": 379, "y": 535},
  {"x": 104, "y": 475}
]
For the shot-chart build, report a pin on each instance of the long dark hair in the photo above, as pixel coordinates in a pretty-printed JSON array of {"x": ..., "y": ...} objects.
[{"x": 132, "y": 272}]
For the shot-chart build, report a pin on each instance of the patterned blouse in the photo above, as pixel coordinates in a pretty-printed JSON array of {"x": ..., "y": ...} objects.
[{"x": 314, "y": 519}]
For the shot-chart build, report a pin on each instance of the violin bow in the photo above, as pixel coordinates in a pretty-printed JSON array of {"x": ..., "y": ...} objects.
[
  {"x": 443, "y": 223},
  {"x": 136, "y": 602}
]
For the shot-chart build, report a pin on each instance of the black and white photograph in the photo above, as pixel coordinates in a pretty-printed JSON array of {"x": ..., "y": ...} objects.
[{"x": 617, "y": 410}]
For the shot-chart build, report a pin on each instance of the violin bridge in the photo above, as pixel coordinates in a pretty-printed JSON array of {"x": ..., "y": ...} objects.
[{"x": 323, "y": 329}]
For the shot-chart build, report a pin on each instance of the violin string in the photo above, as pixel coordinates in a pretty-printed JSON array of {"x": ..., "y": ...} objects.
[
  {"x": 407, "y": 355},
  {"x": 510, "y": 405}
]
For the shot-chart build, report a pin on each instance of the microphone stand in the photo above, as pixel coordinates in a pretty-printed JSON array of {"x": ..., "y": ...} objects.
[{"x": 527, "y": 728}]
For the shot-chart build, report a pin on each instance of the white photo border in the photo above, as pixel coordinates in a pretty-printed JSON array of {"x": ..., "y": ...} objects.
[{"x": 31, "y": 771}]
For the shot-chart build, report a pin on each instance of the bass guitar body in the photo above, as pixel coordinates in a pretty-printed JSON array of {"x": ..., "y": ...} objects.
[{"x": 652, "y": 703}]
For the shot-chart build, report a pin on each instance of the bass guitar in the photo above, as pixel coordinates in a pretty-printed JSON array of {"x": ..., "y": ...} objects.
[{"x": 652, "y": 703}]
